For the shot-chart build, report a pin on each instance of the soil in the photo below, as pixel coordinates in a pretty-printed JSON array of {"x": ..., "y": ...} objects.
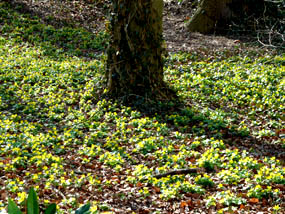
[
  {"x": 179, "y": 39},
  {"x": 93, "y": 15}
]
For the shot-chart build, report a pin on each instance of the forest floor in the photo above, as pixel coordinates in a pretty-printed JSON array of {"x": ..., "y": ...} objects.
[
  {"x": 60, "y": 136},
  {"x": 93, "y": 16}
]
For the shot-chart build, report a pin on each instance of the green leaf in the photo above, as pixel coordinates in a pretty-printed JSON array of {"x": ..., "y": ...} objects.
[
  {"x": 51, "y": 209},
  {"x": 12, "y": 207},
  {"x": 83, "y": 210},
  {"x": 32, "y": 203}
]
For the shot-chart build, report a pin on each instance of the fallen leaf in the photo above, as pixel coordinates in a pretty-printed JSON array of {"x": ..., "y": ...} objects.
[
  {"x": 156, "y": 189},
  {"x": 3, "y": 196},
  {"x": 253, "y": 200},
  {"x": 190, "y": 203},
  {"x": 183, "y": 204},
  {"x": 219, "y": 206},
  {"x": 280, "y": 186},
  {"x": 176, "y": 146},
  {"x": 264, "y": 202}
]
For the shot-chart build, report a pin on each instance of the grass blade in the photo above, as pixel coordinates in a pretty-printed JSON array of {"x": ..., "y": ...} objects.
[
  {"x": 51, "y": 209},
  {"x": 83, "y": 209},
  {"x": 32, "y": 203},
  {"x": 12, "y": 207}
]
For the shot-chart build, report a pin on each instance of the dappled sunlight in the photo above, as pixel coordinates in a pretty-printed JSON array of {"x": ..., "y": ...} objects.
[{"x": 58, "y": 135}]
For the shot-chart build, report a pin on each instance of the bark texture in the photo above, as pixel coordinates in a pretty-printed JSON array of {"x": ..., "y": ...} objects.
[{"x": 134, "y": 64}]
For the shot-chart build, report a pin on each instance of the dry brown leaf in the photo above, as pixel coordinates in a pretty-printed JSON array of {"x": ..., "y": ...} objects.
[
  {"x": 3, "y": 196},
  {"x": 280, "y": 186},
  {"x": 264, "y": 202},
  {"x": 156, "y": 189},
  {"x": 176, "y": 146},
  {"x": 219, "y": 206},
  {"x": 183, "y": 204},
  {"x": 253, "y": 200}
]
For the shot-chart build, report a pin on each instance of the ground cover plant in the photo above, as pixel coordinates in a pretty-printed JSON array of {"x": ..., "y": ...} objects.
[{"x": 59, "y": 136}]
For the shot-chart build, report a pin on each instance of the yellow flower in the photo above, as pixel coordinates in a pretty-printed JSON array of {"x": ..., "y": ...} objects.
[
  {"x": 276, "y": 208},
  {"x": 93, "y": 209},
  {"x": 46, "y": 201},
  {"x": 220, "y": 186},
  {"x": 21, "y": 196},
  {"x": 35, "y": 177}
]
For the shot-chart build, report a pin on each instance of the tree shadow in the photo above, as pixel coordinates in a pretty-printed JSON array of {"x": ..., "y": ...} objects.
[
  {"x": 182, "y": 117},
  {"x": 20, "y": 23},
  {"x": 54, "y": 37}
]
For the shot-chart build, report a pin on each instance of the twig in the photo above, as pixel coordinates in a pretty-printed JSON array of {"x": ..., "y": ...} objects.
[{"x": 178, "y": 172}]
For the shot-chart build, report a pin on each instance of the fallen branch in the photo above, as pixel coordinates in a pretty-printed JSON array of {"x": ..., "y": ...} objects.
[{"x": 178, "y": 172}]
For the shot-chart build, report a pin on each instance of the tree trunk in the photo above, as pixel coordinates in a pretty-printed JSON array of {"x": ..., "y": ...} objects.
[
  {"x": 216, "y": 13},
  {"x": 207, "y": 15},
  {"x": 134, "y": 64}
]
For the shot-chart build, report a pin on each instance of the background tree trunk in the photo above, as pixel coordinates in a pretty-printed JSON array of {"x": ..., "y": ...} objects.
[
  {"x": 207, "y": 15},
  {"x": 134, "y": 64},
  {"x": 216, "y": 13}
]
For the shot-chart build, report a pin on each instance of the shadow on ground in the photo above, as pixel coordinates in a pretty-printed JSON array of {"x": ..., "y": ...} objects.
[
  {"x": 181, "y": 117},
  {"x": 21, "y": 23}
]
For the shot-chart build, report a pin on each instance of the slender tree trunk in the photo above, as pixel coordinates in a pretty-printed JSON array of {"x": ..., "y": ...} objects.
[{"x": 134, "y": 64}]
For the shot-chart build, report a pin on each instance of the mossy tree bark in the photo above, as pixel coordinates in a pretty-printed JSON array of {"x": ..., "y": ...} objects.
[{"x": 134, "y": 64}]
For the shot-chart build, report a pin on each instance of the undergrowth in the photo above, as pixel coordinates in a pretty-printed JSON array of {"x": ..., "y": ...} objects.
[{"x": 58, "y": 136}]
